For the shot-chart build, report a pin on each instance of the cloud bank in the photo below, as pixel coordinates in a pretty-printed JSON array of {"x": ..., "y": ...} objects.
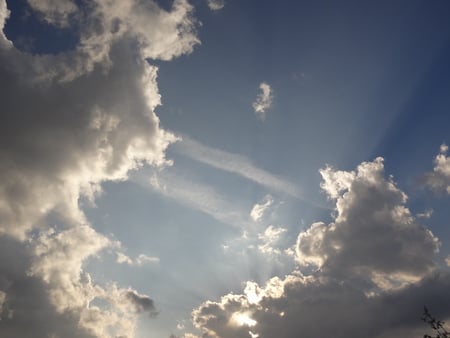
[
  {"x": 373, "y": 269},
  {"x": 69, "y": 122}
]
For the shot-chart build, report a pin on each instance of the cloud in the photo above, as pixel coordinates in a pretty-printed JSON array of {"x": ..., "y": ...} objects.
[
  {"x": 263, "y": 101},
  {"x": 373, "y": 233},
  {"x": 141, "y": 303},
  {"x": 376, "y": 270},
  {"x": 215, "y": 5},
  {"x": 139, "y": 261},
  {"x": 65, "y": 138},
  {"x": 55, "y": 12},
  {"x": 200, "y": 197},
  {"x": 58, "y": 259},
  {"x": 439, "y": 179},
  {"x": 234, "y": 163},
  {"x": 72, "y": 121},
  {"x": 322, "y": 307},
  {"x": 269, "y": 238},
  {"x": 258, "y": 210}
]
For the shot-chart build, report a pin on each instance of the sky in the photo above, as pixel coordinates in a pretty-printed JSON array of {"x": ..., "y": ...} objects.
[{"x": 224, "y": 168}]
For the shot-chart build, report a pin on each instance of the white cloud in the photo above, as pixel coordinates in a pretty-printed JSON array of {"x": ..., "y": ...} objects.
[
  {"x": 200, "y": 197},
  {"x": 377, "y": 269},
  {"x": 138, "y": 261},
  {"x": 258, "y": 210},
  {"x": 215, "y": 5},
  {"x": 263, "y": 101},
  {"x": 270, "y": 237},
  {"x": 234, "y": 163},
  {"x": 439, "y": 179}
]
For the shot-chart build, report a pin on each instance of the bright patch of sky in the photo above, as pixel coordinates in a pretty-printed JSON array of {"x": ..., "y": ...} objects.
[{"x": 210, "y": 168}]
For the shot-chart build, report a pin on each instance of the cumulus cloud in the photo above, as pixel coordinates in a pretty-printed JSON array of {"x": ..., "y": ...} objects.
[
  {"x": 64, "y": 138},
  {"x": 373, "y": 234},
  {"x": 439, "y": 178},
  {"x": 375, "y": 271},
  {"x": 263, "y": 101},
  {"x": 70, "y": 122}
]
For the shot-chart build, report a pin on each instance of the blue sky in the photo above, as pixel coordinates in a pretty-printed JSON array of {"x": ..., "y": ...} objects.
[{"x": 223, "y": 169}]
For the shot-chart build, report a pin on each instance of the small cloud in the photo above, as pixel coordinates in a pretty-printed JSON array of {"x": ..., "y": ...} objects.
[
  {"x": 258, "y": 210},
  {"x": 263, "y": 101},
  {"x": 123, "y": 259},
  {"x": 139, "y": 261},
  {"x": 426, "y": 214},
  {"x": 144, "y": 259},
  {"x": 216, "y": 5},
  {"x": 270, "y": 238},
  {"x": 141, "y": 303},
  {"x": 439, "y": 178},
  {"x": 447, "y": 260}
]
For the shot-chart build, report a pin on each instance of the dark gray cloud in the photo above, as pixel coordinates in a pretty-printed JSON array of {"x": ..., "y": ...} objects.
[
  {"x": 27, "y": 310},
  {"x": 141, "y": 303}
]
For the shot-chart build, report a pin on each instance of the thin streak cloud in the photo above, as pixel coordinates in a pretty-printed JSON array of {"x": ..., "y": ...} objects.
[
  {"x": 234, "y": 163},
  {"x": 198, "y": 196}
]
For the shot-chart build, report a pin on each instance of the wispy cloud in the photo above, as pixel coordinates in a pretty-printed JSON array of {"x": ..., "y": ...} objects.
[
  {"x": 138, "y": 261},
  {"x": 198, "y": 196},
  {"x": 234, "y": 163},
  {"x": 263, "y": 101}
]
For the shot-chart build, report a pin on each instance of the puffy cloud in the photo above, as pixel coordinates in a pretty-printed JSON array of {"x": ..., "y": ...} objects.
[
  {"x": 439, "y": 179},
  {"x": 70, "y": 122},
  {"x": 26, "y": 308},
  {"x": 376, "y": 270},
  {"x": 215, "y": 5},
  {"x": 81, "y": 117},
  {"x": 270, "y": 237},
  {"x": 58, "y": 259},
  {"x": 373, "y": 234},
  {"x": 258, "y": 210},
  {"x": 263, "y": 101}
]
